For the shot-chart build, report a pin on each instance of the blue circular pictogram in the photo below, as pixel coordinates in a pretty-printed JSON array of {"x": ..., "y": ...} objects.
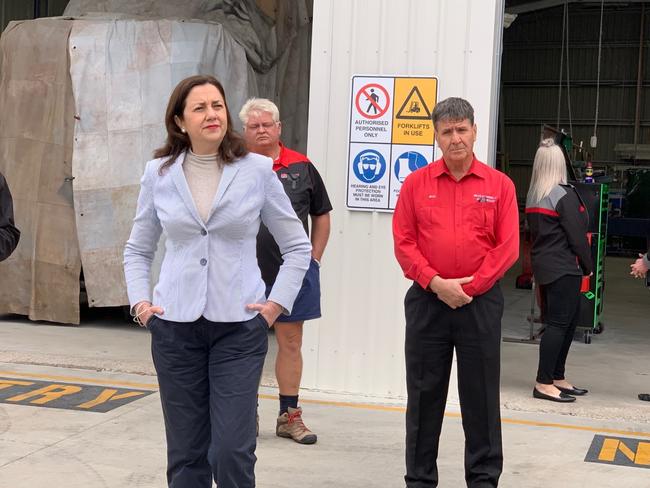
[
  {"x": 407, "y": 163},
  {"x": 369, "y": 166}
]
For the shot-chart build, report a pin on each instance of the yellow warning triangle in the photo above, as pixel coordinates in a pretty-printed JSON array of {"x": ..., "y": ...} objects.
[{"x": 414, "y": 107}]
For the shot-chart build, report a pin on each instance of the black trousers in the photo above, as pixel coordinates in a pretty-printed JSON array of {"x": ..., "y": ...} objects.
[
  {"x": 560, "y": 303},
  {"x": 433, "y": 331},
  {"x": 208, "y": 373}
]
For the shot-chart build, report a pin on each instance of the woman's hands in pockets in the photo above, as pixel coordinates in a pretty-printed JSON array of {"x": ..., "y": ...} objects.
[
  {"x": 269, "y": 310},
  {"x": 143, "y": 312}
]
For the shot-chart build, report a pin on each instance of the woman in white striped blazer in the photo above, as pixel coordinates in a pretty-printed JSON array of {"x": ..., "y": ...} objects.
[{"x": 209, "y": 316}]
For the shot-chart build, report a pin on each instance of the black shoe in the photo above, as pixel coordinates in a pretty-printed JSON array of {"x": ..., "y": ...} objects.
[
  {"x": 563, "y": 398},
  {"x": 644, "y": 397},
  {"x": 575, "y": 391}
]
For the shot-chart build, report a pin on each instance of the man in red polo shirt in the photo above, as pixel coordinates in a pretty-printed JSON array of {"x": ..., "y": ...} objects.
[
  {"x": 306, "y": 190},
  {"x": 456, "y": 232}
]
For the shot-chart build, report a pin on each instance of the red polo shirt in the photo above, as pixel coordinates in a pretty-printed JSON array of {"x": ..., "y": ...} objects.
[{"x": 457, "y": 228}]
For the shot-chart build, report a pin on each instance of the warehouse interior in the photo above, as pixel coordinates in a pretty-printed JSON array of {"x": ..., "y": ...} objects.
[
  {"x": 579, "y": 70},
  {"x": 562, "y": 68}
]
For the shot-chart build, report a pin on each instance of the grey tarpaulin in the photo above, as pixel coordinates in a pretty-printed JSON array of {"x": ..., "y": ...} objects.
[
  {"x": 41, "y": 279},
  {"x": 123, "y": 72},
  {"x": 278, "y": 46}
]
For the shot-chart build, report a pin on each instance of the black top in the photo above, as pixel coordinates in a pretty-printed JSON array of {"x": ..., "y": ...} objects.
[
  {"x": 306, "y": 190},
  {"x": 9, "y": 234},
  {"x": 558, "y": 224}
]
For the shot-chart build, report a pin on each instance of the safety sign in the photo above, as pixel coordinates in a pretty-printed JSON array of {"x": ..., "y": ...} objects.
[
  {"x": 371, "y": 115},
  {"x": 368, "y": 176},
  {"x": 415, "y": 98},
  {"x": 377, "y": 102},
  {"x": 414, "y": 107},
  {"x": 391, "y": 135},
  {"x": 406, "y": 160},
  {"x": 369, "y": 166}
]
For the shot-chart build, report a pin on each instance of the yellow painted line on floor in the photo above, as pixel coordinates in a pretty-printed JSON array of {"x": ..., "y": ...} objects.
[
  {"x": 583, "y": 428},
  {"x": 530, "y": 423},
  {"x": 77, "y": 379},
  {"x": 362, "y": 406}
]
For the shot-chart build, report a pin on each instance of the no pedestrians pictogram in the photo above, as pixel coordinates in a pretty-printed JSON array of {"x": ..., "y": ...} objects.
[{"x": 372, "y": 101}]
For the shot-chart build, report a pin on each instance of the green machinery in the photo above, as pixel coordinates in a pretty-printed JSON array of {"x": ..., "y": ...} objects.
[{"x": 596, "y": 199}]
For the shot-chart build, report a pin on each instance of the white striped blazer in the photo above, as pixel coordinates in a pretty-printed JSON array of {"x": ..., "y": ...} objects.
[{"x": 210, "y": 269}]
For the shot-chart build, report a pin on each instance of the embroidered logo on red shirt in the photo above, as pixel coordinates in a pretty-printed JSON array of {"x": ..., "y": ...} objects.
[{"x": 485, "y": 198}]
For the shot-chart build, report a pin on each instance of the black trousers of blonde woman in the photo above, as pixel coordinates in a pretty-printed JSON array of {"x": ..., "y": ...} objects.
[{"x": 560, "y": 302}]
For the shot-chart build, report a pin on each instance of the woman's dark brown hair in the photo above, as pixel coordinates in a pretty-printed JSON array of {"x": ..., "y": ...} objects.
[{"x": 232, "y": 146}]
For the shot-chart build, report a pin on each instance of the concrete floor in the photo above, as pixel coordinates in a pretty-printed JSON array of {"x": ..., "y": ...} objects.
[{"x": 360, "y": 444}]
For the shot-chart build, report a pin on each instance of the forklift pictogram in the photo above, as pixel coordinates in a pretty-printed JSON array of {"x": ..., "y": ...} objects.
[{"x": 414, "y": 108}]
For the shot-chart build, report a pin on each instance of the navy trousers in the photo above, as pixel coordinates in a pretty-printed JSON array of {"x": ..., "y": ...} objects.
[
  {"x": 209, "y": 373},
  {"x": 433, "y": 331}
]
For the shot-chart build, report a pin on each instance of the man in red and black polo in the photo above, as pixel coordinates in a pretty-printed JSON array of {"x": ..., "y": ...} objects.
[
  {"x": 456, "y": 232},
  {"x": 306, "y": 190}
]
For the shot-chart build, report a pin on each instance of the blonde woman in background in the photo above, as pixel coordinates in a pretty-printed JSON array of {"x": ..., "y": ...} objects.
[{"x": 561, "y": 256}]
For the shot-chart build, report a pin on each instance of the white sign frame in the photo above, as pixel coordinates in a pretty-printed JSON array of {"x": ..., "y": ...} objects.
[{"x": 372, "y": 182}]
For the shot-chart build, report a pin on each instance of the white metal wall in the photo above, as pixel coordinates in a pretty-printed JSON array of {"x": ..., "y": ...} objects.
[{"x": 357, "y": 346}]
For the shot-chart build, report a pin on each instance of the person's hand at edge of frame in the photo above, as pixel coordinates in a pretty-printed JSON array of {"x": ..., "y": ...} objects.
[
  {"x": 451, "y": 291},
  {"x": 639, "y": 269},
  {"x": 143, "y": 312},
  {"x": 269, "y": 310}
]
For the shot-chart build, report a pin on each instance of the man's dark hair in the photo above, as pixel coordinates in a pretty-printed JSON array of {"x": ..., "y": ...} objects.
[{"x": 453, "y": 108}]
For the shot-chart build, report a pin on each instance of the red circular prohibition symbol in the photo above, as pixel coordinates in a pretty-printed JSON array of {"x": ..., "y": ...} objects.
[{"x": 364, "y": 91}]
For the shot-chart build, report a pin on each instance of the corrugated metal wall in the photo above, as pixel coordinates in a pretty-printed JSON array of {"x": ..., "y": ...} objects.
[
  {"x": 531, "y": 70},
  {"x": 358, "y": 344},
  {"x": 25, "y": 9}
]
